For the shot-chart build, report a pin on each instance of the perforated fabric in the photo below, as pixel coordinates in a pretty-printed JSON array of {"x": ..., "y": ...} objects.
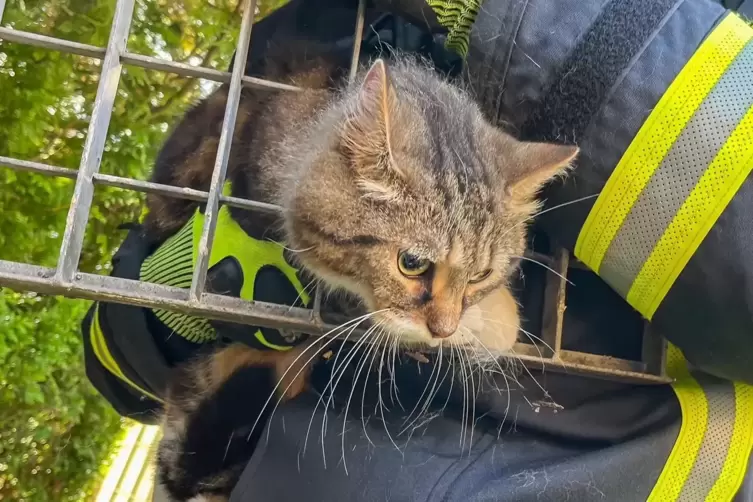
[
  {"x": 710, "y": 456},
  {"x": 172, "y": 265},
  {"x": 717, "y": 437},
  {"x": 695, "y": 413},
  {"x": 742, "y": 435},
  {"x": 695, "y": 148},
  {"x": 656, "y": 137},
  {"x": 695, "y": 218}
]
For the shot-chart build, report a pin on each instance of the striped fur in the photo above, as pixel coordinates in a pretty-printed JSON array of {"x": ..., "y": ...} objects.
[{"x": 400, "y": 160}]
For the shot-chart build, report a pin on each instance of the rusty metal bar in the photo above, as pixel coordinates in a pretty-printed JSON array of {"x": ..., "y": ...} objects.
[
  {"x": 114, "y": 289},
  {"x": 654, "y": 351},
  {"x": 129, "y": 58},
  {"x": 357, "y": 39},
  {"x": 553, "y": 315},
  {"x": 78, "y": 213},
  {"x": 581, "y": 363},
  {"x": 223, "y": 153}
]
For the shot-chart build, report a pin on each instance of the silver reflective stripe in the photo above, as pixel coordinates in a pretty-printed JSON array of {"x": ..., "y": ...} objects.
[
  {"x": 717, "y": 438},
  {"x": 698, "y": 144}
]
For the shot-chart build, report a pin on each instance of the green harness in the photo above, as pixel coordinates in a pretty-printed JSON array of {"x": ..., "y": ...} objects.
[{"x": 173, "y": 264}]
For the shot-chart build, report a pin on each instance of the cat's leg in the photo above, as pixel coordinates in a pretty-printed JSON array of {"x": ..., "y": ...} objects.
[{"x": 213, "y": 404}]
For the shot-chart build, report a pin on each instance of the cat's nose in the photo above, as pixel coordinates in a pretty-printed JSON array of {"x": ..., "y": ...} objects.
[{"x": 441, "y": 328}]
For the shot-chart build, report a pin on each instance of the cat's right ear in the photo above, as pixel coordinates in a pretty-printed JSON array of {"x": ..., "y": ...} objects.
[{"x": 367, "y": 127}]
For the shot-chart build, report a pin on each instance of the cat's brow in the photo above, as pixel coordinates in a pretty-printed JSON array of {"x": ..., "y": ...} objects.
[{"x": 360, "y": 240}]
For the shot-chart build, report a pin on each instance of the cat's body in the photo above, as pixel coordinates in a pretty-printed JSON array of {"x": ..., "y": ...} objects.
[{"x": 394, "y": 189}]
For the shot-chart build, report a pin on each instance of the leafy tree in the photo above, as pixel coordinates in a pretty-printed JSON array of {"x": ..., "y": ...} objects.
[{"x": 55, "y": 430}]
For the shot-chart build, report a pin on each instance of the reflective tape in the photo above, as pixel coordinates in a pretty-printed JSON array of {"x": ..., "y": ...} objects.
[
  {"x": 679, "y": 173},
  {"x": 710, "y": 456},
  {"x": 102, "y": 351}
]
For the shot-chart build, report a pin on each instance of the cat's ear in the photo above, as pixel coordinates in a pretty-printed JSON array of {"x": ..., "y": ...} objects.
[
  {"x": 367, "y": 128},
  {"x": 535, "y": 164}
]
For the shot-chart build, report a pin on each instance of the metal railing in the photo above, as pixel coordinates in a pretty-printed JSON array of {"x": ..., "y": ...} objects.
[{"x": 65, "y": 279}]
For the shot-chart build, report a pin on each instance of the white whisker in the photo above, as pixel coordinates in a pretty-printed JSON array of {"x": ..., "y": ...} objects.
[
  {"x": 550, "y": 269},
  {"x": 329, "y": 340}
]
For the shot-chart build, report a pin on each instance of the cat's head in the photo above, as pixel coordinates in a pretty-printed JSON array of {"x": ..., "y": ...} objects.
[{"x": 411, "y": 200}]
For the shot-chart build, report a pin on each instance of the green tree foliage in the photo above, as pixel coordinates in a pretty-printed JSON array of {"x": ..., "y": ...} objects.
[{"x": 55, "y": 430}]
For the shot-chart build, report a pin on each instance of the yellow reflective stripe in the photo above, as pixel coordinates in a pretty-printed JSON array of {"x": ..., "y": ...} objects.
[
  {"x": 691, "y": 224},
  {"x": 736, "y": 464},
  {"x": 99, "y": 345},
  {"x": 260, "y": 336},
  {"x": 656, "y": 137},
  {"x": 695, "y": 402},
  {"x": 695, "y": 413}
]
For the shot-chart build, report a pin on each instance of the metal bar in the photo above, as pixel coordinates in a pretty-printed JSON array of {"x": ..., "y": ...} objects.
[
  {"x": 2, "y": 9},
  {"x": 38, "y": 168},
  {"x": 78, "y": 213},
  {"x": 223, "y": 152},
  {"x": 22, "y": 276},
  {"x": 591, "y": 365},
  {"x": 187, "y": 70},
  {"x": 654, "y": 351},
  {"x": 138, "y": 185},
  {"x": 357, "y": 38},
  {"x": 129, "y": 58},
  {"x": 256, "y": 205},
  {"x": 143, "y": 294},
  {"x": 553, "y": 312},
  {"x": 56, "y": 44}
]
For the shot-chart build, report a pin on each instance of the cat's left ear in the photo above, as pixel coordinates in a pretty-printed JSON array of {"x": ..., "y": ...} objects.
[
  {"x": 535, "y": 164},
  {"x": 367, "y": 128}
]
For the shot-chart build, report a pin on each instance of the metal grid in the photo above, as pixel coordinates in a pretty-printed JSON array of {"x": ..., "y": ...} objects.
[{"x": 65, "y": 279}]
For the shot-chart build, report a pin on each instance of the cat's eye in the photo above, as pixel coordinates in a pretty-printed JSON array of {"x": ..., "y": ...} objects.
[
  {"x": 480, "y": 276},
  {"x": 411, "y": 265}
]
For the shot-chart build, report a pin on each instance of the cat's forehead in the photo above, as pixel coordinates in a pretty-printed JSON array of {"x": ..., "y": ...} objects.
[{"x": 457, "y": 240}]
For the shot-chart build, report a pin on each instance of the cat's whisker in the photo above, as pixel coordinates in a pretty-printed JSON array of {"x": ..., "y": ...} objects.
[
  {"x": 418, "y": 401},
  {"x": 530, "y": 374},
  {"x": 494, "y": 359},
  {"x": 451, "y": 366},
  {"x": 289, "y": 249},
  {"x": 334, "y": 381},
  {"x": 362, "y": 363},
  {"x": 394, "y": 390},
  {"x": 501, "y": 371},
  {"x": 321, "y": 401},
  {"x": 550, "y": 269},
  {"x": 363, "y": 391},
  {"x": 315, "y": 281},
  {"x": 456, "y": 351},
  {"x": 436, "y": 386},
  {"x": 530, "y": 336},
  {"x": 502, "y": 323},
  {"x": 381, "y": 403},
  {"x": 548, "y": 210},
  {"x": 329, "y": 339},
  {"x": 473, "y": 389},
  {"x": 437, "y": 369}
]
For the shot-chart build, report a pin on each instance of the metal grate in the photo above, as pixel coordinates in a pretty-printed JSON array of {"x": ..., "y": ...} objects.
[{"x": 65, "y": 279}]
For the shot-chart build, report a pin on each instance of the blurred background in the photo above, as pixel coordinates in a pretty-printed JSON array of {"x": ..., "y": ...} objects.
[{"x": 57, "y": 435}]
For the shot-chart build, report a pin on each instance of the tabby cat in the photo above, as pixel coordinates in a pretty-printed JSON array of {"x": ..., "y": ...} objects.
[{"x": 395, "y": 189}]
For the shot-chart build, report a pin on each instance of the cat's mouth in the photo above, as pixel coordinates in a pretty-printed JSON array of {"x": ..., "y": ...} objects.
[{"x": 490, "y": 327}]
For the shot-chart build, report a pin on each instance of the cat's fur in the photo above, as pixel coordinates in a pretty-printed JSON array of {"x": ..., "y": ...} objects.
[{"x": 399, "y": 160}]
